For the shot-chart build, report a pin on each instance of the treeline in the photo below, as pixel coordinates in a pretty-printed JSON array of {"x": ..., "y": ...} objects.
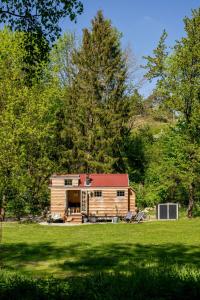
[{"x": 76, "y": 110}]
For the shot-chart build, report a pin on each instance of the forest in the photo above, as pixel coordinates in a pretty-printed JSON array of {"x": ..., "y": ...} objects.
[{"x": 71, "y": 104}]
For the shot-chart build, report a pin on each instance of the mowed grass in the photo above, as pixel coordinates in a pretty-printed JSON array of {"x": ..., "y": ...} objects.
[{"x": 42, "y": 251}]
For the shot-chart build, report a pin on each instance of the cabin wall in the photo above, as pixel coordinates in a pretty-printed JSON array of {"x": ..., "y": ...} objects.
[
  {"x": 132, "y": 200},
  {"x": 60, "y": 181},
  {"x": 111, "y": 205},
  {"x": 58, "y": 201},
  {"x": 107, "y": 205}
]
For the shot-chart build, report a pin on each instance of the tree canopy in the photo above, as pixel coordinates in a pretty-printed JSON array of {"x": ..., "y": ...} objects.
[
  {"x": 39, "y": 16},
  {"x": 70, "y": 106}
]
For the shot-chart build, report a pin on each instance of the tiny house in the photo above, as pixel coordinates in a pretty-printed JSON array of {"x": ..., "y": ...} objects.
[{"x": 74, "y": 196}]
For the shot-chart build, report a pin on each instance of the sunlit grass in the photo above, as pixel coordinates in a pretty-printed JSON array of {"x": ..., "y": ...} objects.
[{"x": 64, "y": 251}]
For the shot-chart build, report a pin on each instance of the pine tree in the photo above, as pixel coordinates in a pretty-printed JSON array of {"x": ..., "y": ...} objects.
[{"x": 98, "y": 111}]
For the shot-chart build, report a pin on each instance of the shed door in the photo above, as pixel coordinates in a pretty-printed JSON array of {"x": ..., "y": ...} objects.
[
  {"x": 172, "y": 211},
  {"x": 84, "y": 202},
  {"x": 163, "y": 211}
]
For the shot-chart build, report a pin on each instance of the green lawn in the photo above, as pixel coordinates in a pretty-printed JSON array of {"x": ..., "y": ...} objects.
[{"x": 64, "y": 251}]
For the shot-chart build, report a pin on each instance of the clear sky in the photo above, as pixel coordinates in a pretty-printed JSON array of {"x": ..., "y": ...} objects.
[{"x": 140, "y": 21}]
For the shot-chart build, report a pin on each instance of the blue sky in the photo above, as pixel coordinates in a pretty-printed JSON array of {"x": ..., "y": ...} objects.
[{"x": 141, "y": 22}]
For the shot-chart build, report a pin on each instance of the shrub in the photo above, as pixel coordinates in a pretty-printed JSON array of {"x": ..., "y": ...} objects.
[{"x": 163, "y": 283}]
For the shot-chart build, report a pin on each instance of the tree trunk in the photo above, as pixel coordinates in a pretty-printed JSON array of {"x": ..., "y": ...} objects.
[{"x": 191, "y": 201}]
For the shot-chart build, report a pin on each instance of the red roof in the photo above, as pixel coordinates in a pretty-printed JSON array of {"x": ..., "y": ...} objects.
[{"x": 105, "y": 180}]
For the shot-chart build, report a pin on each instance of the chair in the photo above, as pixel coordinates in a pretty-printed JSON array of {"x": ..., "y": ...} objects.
[
  {"x": 129, "y": 216},
  {"x": 140, "y": 216}
]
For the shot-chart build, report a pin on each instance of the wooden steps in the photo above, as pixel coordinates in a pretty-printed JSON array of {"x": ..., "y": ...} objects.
[{"x": 75, "y": 218}]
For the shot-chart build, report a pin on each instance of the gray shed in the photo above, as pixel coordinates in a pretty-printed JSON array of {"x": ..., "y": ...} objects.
[{"x": 167, "y": 211}]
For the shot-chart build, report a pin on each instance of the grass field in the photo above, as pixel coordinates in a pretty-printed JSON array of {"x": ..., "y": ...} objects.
[
  {"x": 65, "y": 251},
  {"x": 153, "y": 260}
]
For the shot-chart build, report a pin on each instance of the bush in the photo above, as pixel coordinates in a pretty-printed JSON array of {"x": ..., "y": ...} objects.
[
  {"x": 152, "y": 283},
  {"x": 196, "y": 212}
]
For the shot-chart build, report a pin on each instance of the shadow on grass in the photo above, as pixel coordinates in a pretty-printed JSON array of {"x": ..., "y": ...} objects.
[
  {"x": 137, "y": 271},
  {"x": 85, "y": 258}
]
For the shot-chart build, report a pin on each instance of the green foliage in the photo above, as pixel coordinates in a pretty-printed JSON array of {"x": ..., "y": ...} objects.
[
  {"x": 137, "y": 103},
  {"x": 27, "y": 130},
  {"x": 159, "y": 284},
  {"x": 97, "y": 111},
  {"x": 175, "y": 174},
  {"x": 173, "y": 168},
  {"x": 184, "y": 74},
  {"x": 39, "y": 21},
  {"x": 61, "y": 64},
  {"x": 156, "y": 65},
  {"x": 69, "y": 109},
  {"x": 41, "y": 17}
]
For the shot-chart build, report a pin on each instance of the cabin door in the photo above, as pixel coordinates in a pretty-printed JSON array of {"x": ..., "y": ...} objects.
[{"x": 84, "y": 202}]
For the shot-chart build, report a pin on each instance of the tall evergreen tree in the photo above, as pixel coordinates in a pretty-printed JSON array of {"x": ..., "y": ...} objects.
[{"x": 98, "y": 112}]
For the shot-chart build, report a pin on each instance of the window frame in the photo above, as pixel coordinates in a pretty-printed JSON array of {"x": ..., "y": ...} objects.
[
  {"x": 96, "y": 194},
  {"x": 68, "y": 179},
  {"x": 120, "y": 191}
]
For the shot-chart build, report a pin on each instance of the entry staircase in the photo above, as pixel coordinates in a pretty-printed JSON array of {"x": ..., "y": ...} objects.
[{"x": 74, "y": 218}]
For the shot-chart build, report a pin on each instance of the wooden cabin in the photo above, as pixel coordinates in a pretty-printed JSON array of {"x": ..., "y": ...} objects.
[{"x": 101, "y": 196}]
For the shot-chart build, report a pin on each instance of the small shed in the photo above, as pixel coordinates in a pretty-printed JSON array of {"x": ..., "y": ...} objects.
[{"x": 167, "y": 211}]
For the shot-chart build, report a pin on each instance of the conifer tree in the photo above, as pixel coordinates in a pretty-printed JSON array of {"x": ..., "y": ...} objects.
[{"x": 98, "y": 111}]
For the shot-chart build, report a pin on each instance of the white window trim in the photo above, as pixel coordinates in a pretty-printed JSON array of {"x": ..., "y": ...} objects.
[
  {"x": 98, "y": 197},
  {"x": 68, "y": 184},
  {"x": 120, "y": 197}
]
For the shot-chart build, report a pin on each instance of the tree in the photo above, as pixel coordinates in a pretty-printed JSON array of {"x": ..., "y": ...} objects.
[
  {"x": 38, "y": 16},
  {"x": 27, "y": 131},
  {"x": 97, "y": 107},
  {"x": 173, "y": 173},
  {"x": 181, "y": 83},
  {"x": 39, "y": 20},
  {"x": 179, "y": 74},
  {"x": 137, "y": 103},
  {"x": 156, "y": 65},
  {"x": 61, "y": 63},
  {"x": 184, "y": 73}
]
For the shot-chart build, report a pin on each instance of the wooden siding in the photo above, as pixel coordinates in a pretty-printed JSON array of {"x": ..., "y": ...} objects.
[
  {"x": 60, "y": 181},
  {"x": 58, "y": 201},
  {"x": 109, "y": 204},
  {"x": 132, "y": 200}
]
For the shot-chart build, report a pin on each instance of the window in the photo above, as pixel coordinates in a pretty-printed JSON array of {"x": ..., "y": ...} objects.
[
  {"x": 120, "y": 193},
  {"x": 98, "y": 194},
  {"x": 68, "y": 181}
]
